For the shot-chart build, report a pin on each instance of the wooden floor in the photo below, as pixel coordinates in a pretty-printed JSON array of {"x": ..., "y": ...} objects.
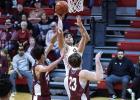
[
  {"x": 22, "y": 96},
  {"x": 27, "y": 96}
]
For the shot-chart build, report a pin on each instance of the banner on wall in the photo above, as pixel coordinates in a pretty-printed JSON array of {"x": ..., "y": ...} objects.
[{"x": 138, "y": 4}]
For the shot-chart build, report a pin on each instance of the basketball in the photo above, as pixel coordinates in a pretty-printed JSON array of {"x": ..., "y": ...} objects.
[{"x": 61, "y": 7}]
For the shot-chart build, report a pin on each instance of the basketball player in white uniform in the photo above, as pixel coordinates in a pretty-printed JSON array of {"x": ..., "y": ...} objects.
[{"x": 65, "y": 42}]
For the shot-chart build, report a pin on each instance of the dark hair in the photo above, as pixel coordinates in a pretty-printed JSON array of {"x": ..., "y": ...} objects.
[
  {"x": 74, "y": 60},
  {"x": 37, "y": 52},
  {"x": 66, "y": 34},
  {"x": 120, "y": 50},
  {"x": 5, "y": 85},
  {"x": 21, "y": 48}
]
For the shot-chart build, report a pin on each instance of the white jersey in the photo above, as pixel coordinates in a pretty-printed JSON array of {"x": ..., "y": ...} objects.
[{"x": 69, "y": 51}]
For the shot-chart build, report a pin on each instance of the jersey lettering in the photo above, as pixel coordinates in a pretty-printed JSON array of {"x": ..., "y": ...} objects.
[
  {"x": 74, "y": 50},
  {"x": 72, "y": 84}
]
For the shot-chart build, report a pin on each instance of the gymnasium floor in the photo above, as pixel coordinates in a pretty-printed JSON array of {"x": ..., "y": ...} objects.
[{"x": 26, "y": 96}]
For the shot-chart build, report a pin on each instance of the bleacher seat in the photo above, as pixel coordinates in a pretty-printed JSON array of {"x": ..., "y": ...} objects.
[
  {"x": 72, "y": 21},
  {"x": 135, "y": 24},
  {"x": 27, "y": 10},
  {"x": 13, "y": 11},
  {"x": 126, "y": 3},
  {"x": 129, "y": 46},
  {"x": 138, "y": 13},
  {"x": 73, "y": 32},
  {"x": 132, "y": 35},
  {"x": 46, "y": 1},
  {"x": 132, "y": 57},
  {"x": 21, "y": 81},
  {"x": 117, "y": 86},
  {"x": 20, "y": 1},
  {"x": 120, "y": 3},
  {"x": 1, "y": 10},
  {"x": 49, "y": 11},
  {"x": 97, "y": 2},
  {"x": 2, "y": 20}
]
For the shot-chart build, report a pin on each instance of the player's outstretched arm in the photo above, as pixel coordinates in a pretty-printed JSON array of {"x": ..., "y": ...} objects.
[
  {"x": 60, "y": 39},
  {"x": 60, "y": 33},
  {"x": 85, "y": 37},
  {"x": 93, "y": 76},
  {"x": 50, "y": 46},
  {"x": 60, "y": 23},
  {"x": 82, "y": 29},
  {"x": 51, "y": 66},
  {"x": 99, "y": 68}
]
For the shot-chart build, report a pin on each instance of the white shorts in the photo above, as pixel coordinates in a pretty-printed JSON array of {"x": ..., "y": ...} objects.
[{"x": 66, "y": 86}]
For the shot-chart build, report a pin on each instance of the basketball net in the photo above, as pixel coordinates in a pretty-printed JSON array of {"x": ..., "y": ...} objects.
[{"x": 75, "y": 5}]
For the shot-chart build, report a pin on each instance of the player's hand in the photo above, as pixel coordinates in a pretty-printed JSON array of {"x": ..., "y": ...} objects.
[
  {"x": 98, "y": 55},
  {"x": 59, "y": 16},
  {"x": 79, "y": 21}
]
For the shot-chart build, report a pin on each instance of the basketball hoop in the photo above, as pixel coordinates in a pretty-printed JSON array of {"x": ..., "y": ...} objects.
[{"x": 75, "y": 5}]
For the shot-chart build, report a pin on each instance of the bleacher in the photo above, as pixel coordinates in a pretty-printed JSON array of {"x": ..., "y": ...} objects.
[{"x": 125, "y": 34}]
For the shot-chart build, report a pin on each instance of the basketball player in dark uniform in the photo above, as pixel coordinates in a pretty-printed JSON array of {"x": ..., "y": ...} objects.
[
  {"x": 40, "y": 72},
  {"x": 78, "y": 80}
]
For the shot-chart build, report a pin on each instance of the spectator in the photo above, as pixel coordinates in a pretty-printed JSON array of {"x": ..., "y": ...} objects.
[
  {"x": 32, "y": 44},
  {"x": 35, "y": 15},
  {"x": 121, "y": 70},
  {"x": 6, "y": 33},
  {"x": 52, "y": 3},
  {"x": 29, "y": 24},
  {"x": 6, "y": 5},
  {"x": 44, "y": 26},
  {"x": 7, "y": 36},
  {"x": 23, "y": 34},
  {"x": 136, "y": 87},
  {"x": 17, "y": 25},
  {"x": 49, "y": 35},
  {"x": 20, "y": 64},
  {"x": 35, "y": 18},
  {"x": 19, "y": 13},
  {"x": 4, "y": 63},
  {"x": 5, "y": 87},
  {"x": 44, "y": 23},
  {"x": 35, "y": 31}
]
